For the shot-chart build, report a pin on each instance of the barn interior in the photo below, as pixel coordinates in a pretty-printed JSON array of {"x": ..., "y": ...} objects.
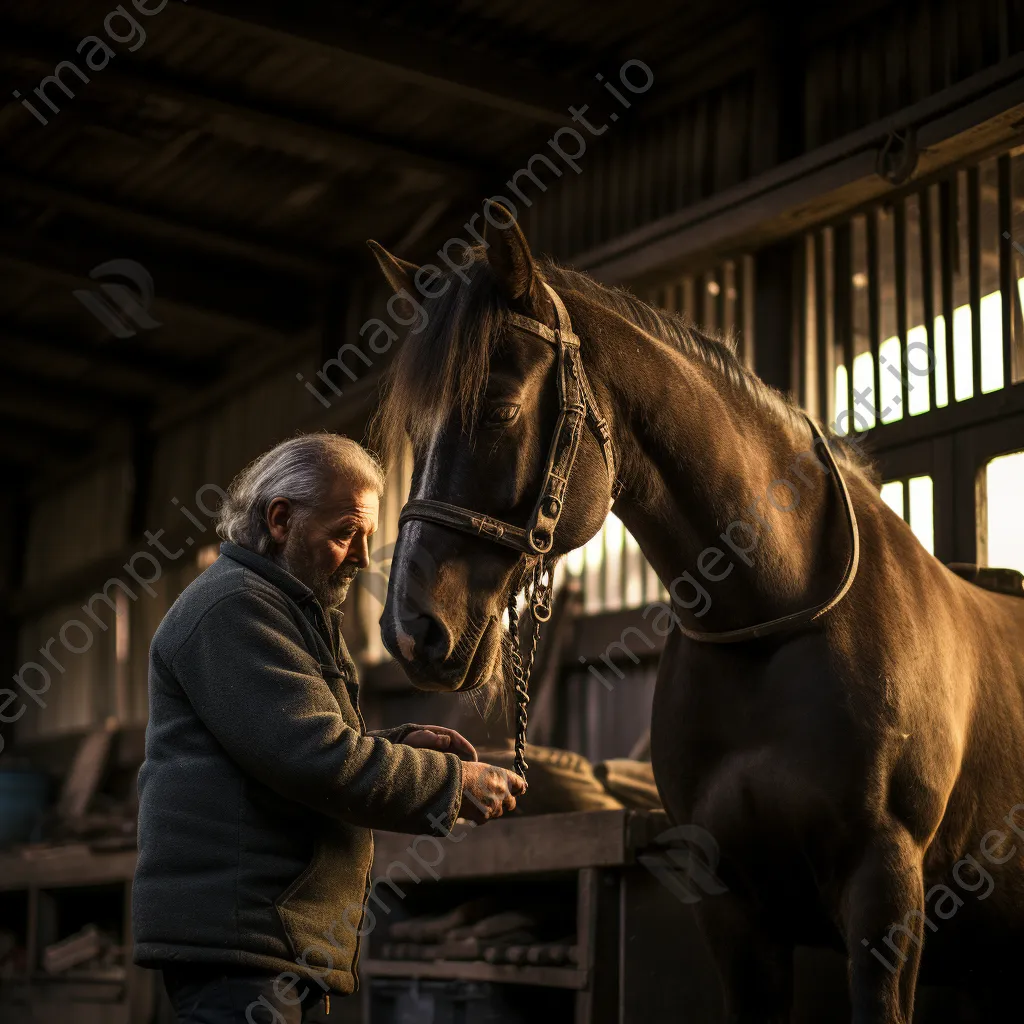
[{"x": 185, "y": 198}]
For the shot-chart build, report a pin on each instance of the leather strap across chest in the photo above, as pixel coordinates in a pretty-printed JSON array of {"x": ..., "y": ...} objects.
[{"x": 577, "y": 408}]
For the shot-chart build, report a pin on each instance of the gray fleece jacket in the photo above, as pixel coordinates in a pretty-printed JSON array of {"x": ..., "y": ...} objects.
[{"x": 260, "y": 784}]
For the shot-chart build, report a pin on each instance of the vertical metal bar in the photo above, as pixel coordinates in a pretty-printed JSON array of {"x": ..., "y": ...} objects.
[
  {"x": 948, "y": 239},
  {"x": 821, "y": 312},
  {"x": 900, "y": 235},
  {"x": 1006, "y": 261},
  {"x": 927, "y": 288},
  {"x": 842, "y": 241},
  {"x": 874, "y": 310},
  {"x": 974, "y": 272}
]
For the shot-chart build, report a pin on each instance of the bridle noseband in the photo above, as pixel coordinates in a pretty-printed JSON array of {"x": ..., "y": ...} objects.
[{"x": 576, "y": 407}]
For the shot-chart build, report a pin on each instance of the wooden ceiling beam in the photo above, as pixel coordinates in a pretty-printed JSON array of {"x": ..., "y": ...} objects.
[
  {"x": 154, "y": 370},
  {"x": 66, "y": 197},
  {"x": 246, "y": 120},
  {"x": 66, "y": 263},
  {"x": 484, "y": 79}
]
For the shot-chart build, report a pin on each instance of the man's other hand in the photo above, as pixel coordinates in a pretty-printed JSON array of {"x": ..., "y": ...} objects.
[
  {"x": 488, "y": 792},
  {"x": 438, "y": 737}
]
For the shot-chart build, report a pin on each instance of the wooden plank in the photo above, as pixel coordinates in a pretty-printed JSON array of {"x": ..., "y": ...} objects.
[
  {"x": 900, "y": 236},
  {"x": 842, "y": 245},
  {"x": 1004, "y": 404},
  {"x": 77, "y": 869},
  {"x": 974, "y": 275},
  {"x": 512, "y": 846},
  {"x": 68, "y": 197},
  {"x": 1007, "y": 276},
  {"x": 474, "y": 970},
  {"x": 928, "y": 289},
  {"x": 874, "y": 308},
  {"x": 824, "y": 183},
  {"x": 654, "y": 973},
  {"x": 823, "y": 310},
  {"x": 949, "y": 237},
  {"x": 487, "y": 80}
]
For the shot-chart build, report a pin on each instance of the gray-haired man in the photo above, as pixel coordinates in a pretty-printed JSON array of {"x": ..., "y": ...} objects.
[{"x": 260, "y": 784}]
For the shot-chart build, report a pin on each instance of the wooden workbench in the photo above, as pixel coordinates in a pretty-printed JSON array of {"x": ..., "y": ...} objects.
[{"x": 640, "y": 955}]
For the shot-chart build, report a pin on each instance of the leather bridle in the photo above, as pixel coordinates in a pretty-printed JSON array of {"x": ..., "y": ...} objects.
[{"x": 577, "y": 406}]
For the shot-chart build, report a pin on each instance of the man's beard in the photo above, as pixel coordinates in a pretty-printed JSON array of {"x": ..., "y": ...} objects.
[{"x": 331, "y": 590}]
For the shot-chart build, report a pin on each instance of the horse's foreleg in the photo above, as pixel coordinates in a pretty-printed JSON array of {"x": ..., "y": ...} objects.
[
  {"x": 884, "y": 923},
  {"x": 755, "y": 968}
]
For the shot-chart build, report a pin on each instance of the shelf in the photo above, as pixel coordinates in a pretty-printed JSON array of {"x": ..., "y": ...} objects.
[
  {"x": 476, "y": 970},
  {"x": 516, "y": 846},
  {"x": 64, "y": 868}
]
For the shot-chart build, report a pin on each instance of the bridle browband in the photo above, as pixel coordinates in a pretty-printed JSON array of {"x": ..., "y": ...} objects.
[{"x": 577, "y": 406}]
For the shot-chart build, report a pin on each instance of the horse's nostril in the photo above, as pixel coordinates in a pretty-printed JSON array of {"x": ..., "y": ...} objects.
[{"x": 429, "y": 639}]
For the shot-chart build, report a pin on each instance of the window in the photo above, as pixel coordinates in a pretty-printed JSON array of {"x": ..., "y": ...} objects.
[
  {"x": 916, "y": 303},
  {"x": 912, "y": 500},
  {"x": 1004, "y": 491}
]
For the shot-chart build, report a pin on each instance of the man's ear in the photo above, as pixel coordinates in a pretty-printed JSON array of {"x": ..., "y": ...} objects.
[
  {"x": 279, "y": 519},
  {"x": 398, "y": 272},
  {"x": 510, "y": 258}
]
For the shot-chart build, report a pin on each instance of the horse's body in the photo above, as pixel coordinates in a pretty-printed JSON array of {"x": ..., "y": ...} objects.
[{"x": 846, "y": 767}]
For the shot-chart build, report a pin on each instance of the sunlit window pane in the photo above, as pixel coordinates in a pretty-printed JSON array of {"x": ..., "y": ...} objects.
[
  {"x": 1004, "y": 487},
  {"x": 890, "y": 382},
  {"x": 892, "y": 495},
  {"x": 941, "y": 370},
  {"x": 918, "y": 370},
  {"x": 963, "y": 367},
  {"x": 991, "y": 342},
  {"x": 864, "y": 384},
  {"x": 841, "y": 423},
  {"x": 922, "y": 511}
]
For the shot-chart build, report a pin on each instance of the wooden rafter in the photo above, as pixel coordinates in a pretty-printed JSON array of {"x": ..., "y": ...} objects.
[{"x": 408, "y": 56}]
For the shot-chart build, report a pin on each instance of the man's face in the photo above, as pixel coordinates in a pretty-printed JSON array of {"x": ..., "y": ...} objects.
[{"x": 326, "y": 547}]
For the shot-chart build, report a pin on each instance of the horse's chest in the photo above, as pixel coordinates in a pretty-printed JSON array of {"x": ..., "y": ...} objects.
[{"x": 743, "y": 740}]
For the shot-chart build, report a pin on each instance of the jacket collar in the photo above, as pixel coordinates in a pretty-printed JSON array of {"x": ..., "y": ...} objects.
[{"x": 269, "y": 570}]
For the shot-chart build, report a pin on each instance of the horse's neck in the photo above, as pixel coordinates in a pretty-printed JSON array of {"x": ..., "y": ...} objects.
[{"x": 700, "y": 455}]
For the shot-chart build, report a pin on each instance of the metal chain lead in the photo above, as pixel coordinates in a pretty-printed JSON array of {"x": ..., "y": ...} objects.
[{"x": 538, "y": 600}]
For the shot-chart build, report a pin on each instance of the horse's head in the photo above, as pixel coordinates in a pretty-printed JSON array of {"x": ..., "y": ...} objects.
[{"x": 478, "y": 396}]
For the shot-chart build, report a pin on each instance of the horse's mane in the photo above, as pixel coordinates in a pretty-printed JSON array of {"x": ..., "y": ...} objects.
[{"x": 445, "y": 367}]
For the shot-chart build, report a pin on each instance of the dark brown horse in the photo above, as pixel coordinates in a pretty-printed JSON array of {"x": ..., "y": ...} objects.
[{"x": 862, "y": 773}]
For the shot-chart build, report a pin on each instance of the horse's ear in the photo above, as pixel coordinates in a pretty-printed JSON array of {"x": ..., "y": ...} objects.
[
  {"x": 398, "y": 272},
  {"x": 509, "y": 255}
]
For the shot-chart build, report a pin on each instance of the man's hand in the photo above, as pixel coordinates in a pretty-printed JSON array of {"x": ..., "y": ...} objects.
[
  {"x": 438, "y": 737},
  {"x": 488, "y": 792}
]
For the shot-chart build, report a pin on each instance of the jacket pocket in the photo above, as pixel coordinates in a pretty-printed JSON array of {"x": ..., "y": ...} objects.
[{"x": 321, "y": 911}]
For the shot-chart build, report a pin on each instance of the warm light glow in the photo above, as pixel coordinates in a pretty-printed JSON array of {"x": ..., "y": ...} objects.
[
  {"x": 1004, "y": 487},
  {"x": 919, "y": 400},
  {"x": 892, "y": 495},
  {"x": 922, "y": 511}
]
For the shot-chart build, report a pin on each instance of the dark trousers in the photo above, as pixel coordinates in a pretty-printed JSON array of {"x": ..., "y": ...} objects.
[{"x": 212, "y": 995}]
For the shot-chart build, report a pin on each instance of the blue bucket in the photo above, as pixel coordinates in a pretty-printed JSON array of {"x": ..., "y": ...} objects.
[{"x": 22, "y": 804}]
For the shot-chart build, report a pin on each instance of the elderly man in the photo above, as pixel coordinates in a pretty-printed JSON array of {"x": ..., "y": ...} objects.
[{"x": 260, "y": 784}]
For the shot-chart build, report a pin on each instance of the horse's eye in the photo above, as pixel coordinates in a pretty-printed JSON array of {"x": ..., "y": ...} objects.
[{"x": 501, "y": 415}]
